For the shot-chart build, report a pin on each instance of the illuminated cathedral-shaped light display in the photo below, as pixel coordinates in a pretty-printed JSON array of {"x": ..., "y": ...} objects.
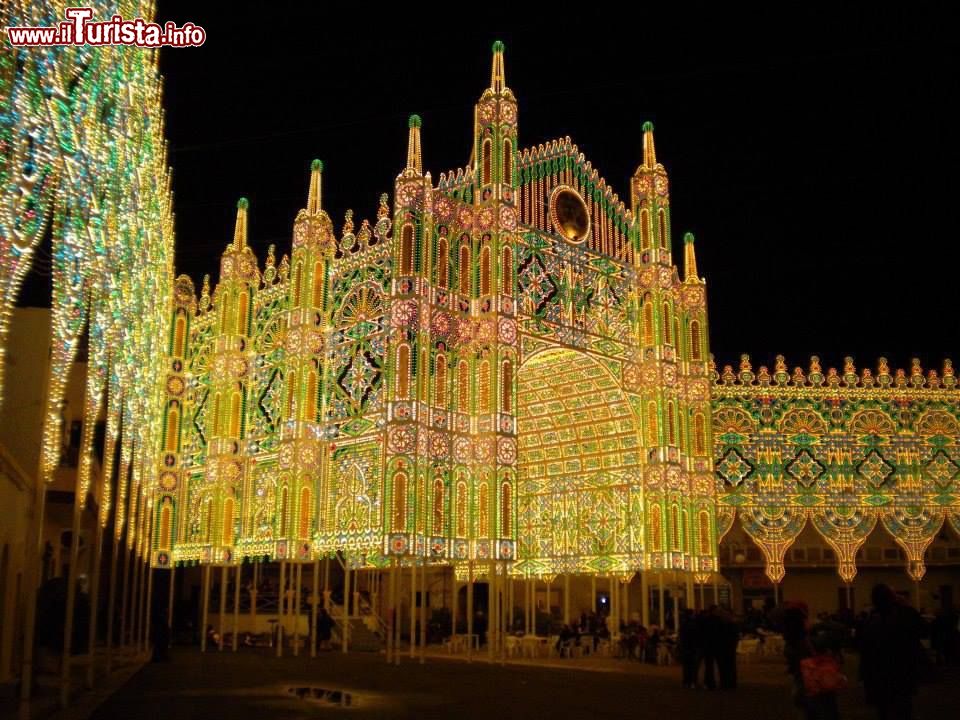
[{"x": 506, "y": 366}]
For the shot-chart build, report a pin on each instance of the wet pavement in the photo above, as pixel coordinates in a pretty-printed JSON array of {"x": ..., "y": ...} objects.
[{"x": 255, "y": 684}]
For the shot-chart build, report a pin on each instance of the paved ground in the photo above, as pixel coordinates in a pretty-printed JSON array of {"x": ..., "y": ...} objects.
[{"x": 253, "y": 684}]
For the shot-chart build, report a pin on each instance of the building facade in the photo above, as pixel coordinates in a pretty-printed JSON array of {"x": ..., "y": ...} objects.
[{"x": 506, "y": 366}]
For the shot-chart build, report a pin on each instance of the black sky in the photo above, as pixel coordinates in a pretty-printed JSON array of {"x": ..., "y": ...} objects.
[{"x": 814, "y": 156}]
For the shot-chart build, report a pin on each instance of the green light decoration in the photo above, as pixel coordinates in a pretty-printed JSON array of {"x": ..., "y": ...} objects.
[{"x": 83, "y": 158}]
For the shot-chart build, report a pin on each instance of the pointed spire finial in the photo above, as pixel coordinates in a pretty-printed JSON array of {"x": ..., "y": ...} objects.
[
  {"x": 498, "y": 80},
  {"x": 649, "y": 153},
  {"x": 205, "y": 293},
  {"x": 240, "y": 229},
  {"x": 314, "y": 196},
  {"x": 689, "y": 258},
  {"x": 414, "y": 161}
]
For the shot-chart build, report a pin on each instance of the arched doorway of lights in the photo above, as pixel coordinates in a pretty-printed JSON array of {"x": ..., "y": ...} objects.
[{"x": 580, "y": 519}]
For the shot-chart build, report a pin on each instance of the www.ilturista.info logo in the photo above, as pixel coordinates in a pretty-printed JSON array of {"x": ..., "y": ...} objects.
[{"x": 80, "y": 29}]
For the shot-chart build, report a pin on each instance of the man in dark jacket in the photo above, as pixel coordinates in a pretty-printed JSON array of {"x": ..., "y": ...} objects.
[
  {"x": 687, "y": 647},
  {"x": 708, "y": 631},
  {"x": 890, "y": 655}
]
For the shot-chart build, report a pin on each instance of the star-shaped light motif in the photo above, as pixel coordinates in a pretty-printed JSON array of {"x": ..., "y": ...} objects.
[
  {"x": 941, "y": 468},
  {"x": 875, "y": 469},
  {"x": 733, "y": 468}
]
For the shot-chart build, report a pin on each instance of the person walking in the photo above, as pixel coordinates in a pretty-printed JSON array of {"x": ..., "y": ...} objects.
[
  {"x": 813, "y": 662},
  {"x": 890, "y": 655}
]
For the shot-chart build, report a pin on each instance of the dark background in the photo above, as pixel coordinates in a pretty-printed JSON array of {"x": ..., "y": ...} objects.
[{"x": 814, "y": 155}]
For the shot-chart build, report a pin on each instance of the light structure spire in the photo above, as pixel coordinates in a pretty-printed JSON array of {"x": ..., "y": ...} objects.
[
  {"x": 314, "y": 196},
  {"x": 649, "y": 152},
  {"x": 498, "y": 78},
  {"x": 689, "y": 258},
  {"x": 414, "y": 158},
  {"x": 240, "y": 229}
]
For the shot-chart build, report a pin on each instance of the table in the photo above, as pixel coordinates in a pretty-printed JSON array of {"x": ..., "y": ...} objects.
[
  {"x": 458, "y": 643},
  {"x": 533, "y": 645}
]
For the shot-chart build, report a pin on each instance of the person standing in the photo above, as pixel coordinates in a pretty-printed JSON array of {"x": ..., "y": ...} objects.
[
  {"x": 324, "y": 628},
  {"x": 890, "y": 655},
  {"x": 708, "y": 635},
  {"x": 687, "y": 647},
  {"x": 728, "y": 636}
]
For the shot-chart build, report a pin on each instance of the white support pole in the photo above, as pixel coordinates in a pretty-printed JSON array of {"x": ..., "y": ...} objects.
[
  {"x": 644, "y": 599},
  {"x": 134, "y": 598},
  {"x": 454, "y": 603},
  {"x": 676, "y": 607},
  {"x": 136, "y": 628},
  {"x": 398, "y": 589},
  {"x": 491, "y": 593},
  {"x": 526, "y": 606},
  {"x": 223, "y": 603},
  {"x": 253, "y": 596},
  {"x": 391, "y": 596},
  {"x": 111, "y": 602},
  {"x": 413, "y": 607},
  {"x": 171, "y": 596},
  {"x": 423, "y": 611},
  {"x": 145, "y": 575},
  {"x": 296, "y": 612},
  {"x": 345, "y": 640},
  {"x": 326, "y": 584},
  {"x": 469, "y": 610},
  {"x": 236, "y": 604},
  {"x": 663, "y": 610},
  {"x": 547, "y": 604},
  {"x": 612, "y": 622},
  {"x": 206, "y": 608},
  {"x": 94, "y": 605},
  {"x": 147, "y": 616},
  {"x": 71, "y": 596},
  {"x": 125, "y": 595},
  {"x": 314, "y": 599},
  {"x": 281, "y": 602}
]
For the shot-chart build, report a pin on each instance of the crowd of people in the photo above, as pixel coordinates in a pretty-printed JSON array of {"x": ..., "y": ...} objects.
[{"x": 887, "y": 637}]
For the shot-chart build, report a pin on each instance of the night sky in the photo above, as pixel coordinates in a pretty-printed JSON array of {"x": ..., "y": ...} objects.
[{"x": 814, "y": 157}]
